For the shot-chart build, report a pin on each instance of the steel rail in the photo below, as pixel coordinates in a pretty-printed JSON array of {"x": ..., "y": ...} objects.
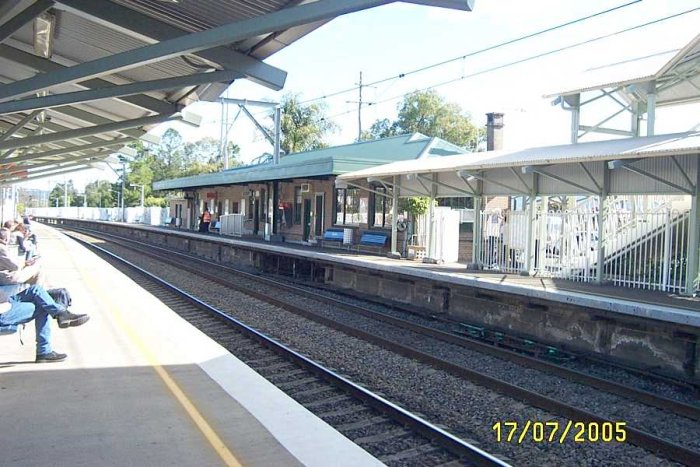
[
  {"x": 443, "y": 438},
  {"x": 635, "y": 436},
  {"x": 648, "y": 398}
]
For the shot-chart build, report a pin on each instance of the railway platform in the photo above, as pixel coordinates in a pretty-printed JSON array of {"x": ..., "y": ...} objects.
[
  {"x": 143, "y": 387},
  {"x": 652, "y": 330}
]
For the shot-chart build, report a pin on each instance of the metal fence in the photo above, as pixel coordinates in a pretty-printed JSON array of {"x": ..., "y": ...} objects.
[{"x": 642, "y": 249}]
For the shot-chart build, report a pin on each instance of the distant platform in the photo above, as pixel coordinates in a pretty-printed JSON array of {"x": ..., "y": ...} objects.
[{"x": 143, "y": 387}]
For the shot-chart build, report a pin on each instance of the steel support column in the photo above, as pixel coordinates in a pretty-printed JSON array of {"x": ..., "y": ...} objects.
[
  {"x": 575, "y": 108},
  {"x": 692, "y": 273},
  {"x": 532, "y": 214},
  {"x": 602, "y": 199},
  {"x": 394, "y": 213},
  {"x": 651, "y": 108}
]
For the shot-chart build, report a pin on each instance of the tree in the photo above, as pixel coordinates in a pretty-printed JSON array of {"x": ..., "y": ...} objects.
[
  {"x": 428, "y": 113},
  {"x": 57, "y": 195},
  {"x": 303, "y": 126},
  {"x": 99, "y": 193}
]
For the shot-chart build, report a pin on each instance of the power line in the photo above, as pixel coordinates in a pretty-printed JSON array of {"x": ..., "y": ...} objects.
[
  {"x": 530, "y": 58},
  {"x": 477, "y": 52}
]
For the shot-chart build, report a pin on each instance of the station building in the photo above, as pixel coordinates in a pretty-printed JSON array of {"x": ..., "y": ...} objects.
[{"x": 296, "y": 200}]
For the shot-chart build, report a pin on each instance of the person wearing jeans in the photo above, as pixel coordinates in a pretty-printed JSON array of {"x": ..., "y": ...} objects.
[{"x": 36, "y": 304}]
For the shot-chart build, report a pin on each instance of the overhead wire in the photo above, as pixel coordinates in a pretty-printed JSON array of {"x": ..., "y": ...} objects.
[
  {"x": 526, "y": 59},
  {"x": 476, "y": 52}
]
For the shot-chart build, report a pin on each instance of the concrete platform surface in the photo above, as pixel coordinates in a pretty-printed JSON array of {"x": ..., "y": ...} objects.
[{"x": 143, "y": 387}]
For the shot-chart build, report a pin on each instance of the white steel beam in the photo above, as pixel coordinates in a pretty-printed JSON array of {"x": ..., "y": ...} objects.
[
  {"x": 69, "y": 150},
  {"x": 190, "y": 43},
  {"x": 142, "y": 26},
  {"x": 23, "y": 17},
  {"x": 528, "y": 169},
  {"x": 79, "y": 97},
  {"x": 45, "y": 173},
  {"x": 47, "y": 66},
  {"x": 19, "y": 125},
  {"x": 58, "y": 163},
  {"x": 88, "y": 131},
  {"x": 617, "y": 164}
]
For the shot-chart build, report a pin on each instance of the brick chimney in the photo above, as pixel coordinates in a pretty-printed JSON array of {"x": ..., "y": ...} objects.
[{"x": 494, "y": 131}]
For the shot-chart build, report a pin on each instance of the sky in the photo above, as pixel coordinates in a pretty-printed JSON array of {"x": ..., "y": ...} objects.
[{"x": 387, "y": 41}]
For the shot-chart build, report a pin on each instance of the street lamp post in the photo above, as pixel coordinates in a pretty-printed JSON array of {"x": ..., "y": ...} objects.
[{"x": 142, "y": 188}]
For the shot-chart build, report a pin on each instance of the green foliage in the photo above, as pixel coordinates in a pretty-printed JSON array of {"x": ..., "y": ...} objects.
[
  {"x": 100, "y": 194},
  {"x": 415, "y": 205},
  {"x": 428, "y": 113},
  {"x": 304, "y": 127},
  {"x": 57, "y": 195}
]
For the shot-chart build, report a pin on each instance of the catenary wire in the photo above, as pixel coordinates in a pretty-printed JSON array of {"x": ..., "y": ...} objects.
[
  {"x": 474, "y": 53},
  {"x": 523, "y": 60}
]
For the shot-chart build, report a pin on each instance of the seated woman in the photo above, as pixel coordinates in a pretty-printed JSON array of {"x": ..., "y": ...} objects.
[
  {"x": 26, "y": 241},
  {"x": 14, "y": 270}
]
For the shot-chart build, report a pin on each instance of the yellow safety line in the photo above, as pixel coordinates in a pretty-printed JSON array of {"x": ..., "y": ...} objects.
[{"x": 206, "y": 429}]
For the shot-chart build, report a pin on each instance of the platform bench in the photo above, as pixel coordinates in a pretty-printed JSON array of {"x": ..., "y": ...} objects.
[
  {"x": 373, "y": 241},
  {"x": 333, "y": 236}
]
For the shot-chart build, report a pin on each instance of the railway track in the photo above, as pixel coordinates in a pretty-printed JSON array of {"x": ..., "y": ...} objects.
[
  {"x": 392, "y": 434},
  {"x": 635, "y": 436}
]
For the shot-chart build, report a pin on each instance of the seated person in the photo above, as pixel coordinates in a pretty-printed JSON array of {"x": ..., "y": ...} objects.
[
  {"x": 36, "y": 304},
  {"x": 25, "y": 240},
  {"x": 14, "y": 270}
]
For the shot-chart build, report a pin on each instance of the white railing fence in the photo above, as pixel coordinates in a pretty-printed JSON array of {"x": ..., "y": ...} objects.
[
  {"x": 642, "y": 248},
  {"x": 134, "y": 215}
]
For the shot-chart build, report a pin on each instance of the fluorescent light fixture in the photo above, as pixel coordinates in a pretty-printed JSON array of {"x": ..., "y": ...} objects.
[
  {"x": 528, "y": 169},
  {"x": 616, "y": 164},
  {"x": 44, "y": 31},
  {"x": 191, "y": 119},
  {"x": 128, "y": 152},
  {"x": 466, "y": 175},
  {"x": 150, "y": 138},
  {"x": 340, "y": 184}
]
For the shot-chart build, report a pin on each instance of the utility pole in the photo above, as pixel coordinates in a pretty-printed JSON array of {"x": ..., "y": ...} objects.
[
  {"x": 359, "y": 103},
  {"x": 359, "y": 112}
]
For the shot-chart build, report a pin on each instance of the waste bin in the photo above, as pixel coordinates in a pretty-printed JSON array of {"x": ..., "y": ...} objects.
[{"x": 347, "y": 236}]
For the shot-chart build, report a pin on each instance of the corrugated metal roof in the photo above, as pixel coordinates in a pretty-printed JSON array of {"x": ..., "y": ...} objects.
[
  {"x": 664, "y": 67},
  {"x": 92, "y": 35},
  {"x": 631, "y": 148},
  {"x": 322, "y": 162}
]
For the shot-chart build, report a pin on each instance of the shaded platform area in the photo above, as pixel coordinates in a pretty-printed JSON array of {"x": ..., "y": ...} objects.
[{"x": 143, "y": 387}]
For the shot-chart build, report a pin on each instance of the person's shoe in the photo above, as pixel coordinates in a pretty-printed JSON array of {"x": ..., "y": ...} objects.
[
  {"x": 51, "y": 357},
  {"x": 68, "y": 319}
]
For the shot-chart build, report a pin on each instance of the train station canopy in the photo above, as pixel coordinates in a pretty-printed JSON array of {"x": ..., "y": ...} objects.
[
  {"x": 79, "y": 79},
  {"x": 322, "y": 162},
  {"x": 674, "y": 77},
  {"x": 661, "y": 164}
]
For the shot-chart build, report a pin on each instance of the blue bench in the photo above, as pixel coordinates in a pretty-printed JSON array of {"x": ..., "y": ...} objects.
[
  {"x": 333, "y": 235},
  {"x": 374, "y": 238}
]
